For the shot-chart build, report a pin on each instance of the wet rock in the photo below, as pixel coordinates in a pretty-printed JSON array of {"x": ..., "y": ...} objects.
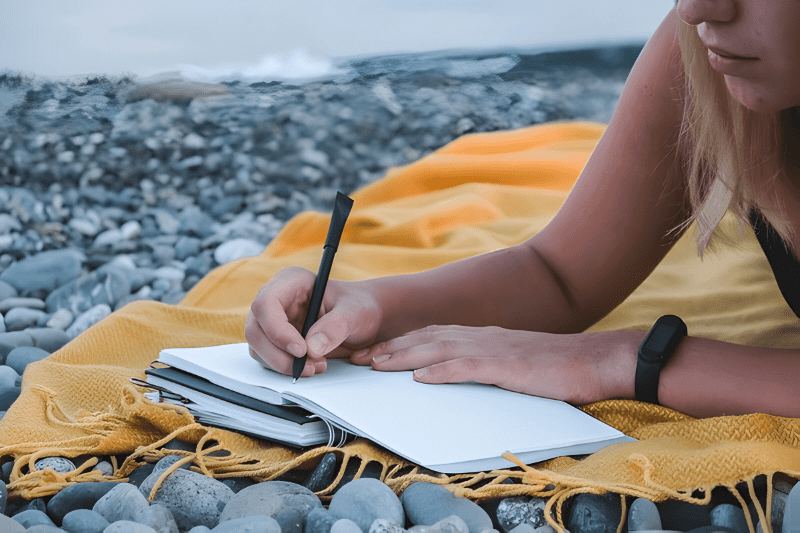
[
  {"x": 593, "y": 513},
  {"x": 78, "y": 496},
  {"x": 643, "y": 516},
  {"x": 729, "y": 516},
  {"x": 322, "y": 476},
  {"x": 59, "y": 464},
  {"x": 427, "y": 503},
  {"x": 511, "y": 512}
]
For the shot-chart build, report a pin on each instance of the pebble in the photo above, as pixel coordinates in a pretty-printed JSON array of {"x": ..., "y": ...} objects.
[
  {"x": 791, "y": 513},
  {"x": 365, "y": 499},
  {"x": 88, "y": 319},
  {"x": 58, "y": 464},
  {"x": 290, "y": 520},
  {"x": 120, "y": 503},
  {"x": 593, "y": 513},
  {"x": 193, "y": 499},
  {"x": 11, "y": 340},
  {"x": 128, "y": 526},
  {"x": 45, "y": 270},
  {"x": 48, "y": 339},
  {"x": 681, "y": 516},
  {"x": 3, "y": 497},
  {"x": 343, "y": 525},
  {"x": 249, "y": 524},
  {"x": 6, "y": 290},
  {"x": 385, "y": 526},
  {"x": 158, "y": 517},
  {"x": 730, "y": 516},
  {"x": 269, "y": 498},
  {"x": 33, "y": 517},
  {"x": 8, "y": 395},
  {"x": 319, "y": 520},
  {"x": 323, "y": 475},
  {"x": 427, "y": 503},
  {"x": 105, "y": 468},
  {"x": 8, "y": 304},
  {"x": 20, "y": 318},
  {"x": 61, "y": 319},
  {"x": 237, "y": 249},
  {"x": 84, "y": 521},
  {"x": 236, "y": 484},
  {"x": 9, "y": 525},
  {"x": 78, "y": 496},
  {"x": 8, "y": 376},
  {"x": 21, "y": 357},
  {"x": 511, "y": 512},
  {"x": 643, "y": 516}
]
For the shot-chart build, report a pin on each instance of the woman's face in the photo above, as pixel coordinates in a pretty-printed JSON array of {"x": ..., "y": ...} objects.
[{"x": 755, "y": 44}]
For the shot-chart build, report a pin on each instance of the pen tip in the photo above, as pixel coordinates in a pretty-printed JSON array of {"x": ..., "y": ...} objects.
[{"x": 294, "y": 380}]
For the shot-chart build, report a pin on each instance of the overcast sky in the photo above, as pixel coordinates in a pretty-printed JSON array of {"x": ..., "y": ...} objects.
[{"x": 144, "y": 37}]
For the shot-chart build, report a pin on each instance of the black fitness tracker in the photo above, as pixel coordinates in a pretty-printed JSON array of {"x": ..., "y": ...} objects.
[{"x": 654, "y": 352}]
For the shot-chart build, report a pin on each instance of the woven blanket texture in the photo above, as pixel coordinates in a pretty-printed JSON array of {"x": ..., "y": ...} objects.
[{"x": 477, "y": 194}]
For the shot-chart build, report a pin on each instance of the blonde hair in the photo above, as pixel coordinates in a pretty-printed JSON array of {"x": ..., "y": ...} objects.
[{"x": 735, "y": 155}]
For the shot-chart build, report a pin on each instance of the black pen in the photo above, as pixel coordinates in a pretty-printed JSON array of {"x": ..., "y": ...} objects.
[{"x": 341, "y": 210}]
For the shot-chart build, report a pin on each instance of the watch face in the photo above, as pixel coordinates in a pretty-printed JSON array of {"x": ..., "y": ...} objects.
[{"x": 656, "y": 343}]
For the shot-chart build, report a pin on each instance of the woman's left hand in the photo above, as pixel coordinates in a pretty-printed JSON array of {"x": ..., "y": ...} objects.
[{"x": 578, "y": 368}]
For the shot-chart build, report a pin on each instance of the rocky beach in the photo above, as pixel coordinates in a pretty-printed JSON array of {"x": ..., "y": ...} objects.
[{"x": 121, "y": 189}]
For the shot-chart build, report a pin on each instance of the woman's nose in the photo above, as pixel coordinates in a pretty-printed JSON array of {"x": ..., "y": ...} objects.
[{"x": 694, "y": 12}]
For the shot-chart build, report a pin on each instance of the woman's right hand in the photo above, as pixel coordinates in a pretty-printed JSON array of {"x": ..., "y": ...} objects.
[{"x": 348, "y": 321}]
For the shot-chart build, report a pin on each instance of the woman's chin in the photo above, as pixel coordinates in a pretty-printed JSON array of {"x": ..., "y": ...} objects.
[{"x": 758, "y": 98}]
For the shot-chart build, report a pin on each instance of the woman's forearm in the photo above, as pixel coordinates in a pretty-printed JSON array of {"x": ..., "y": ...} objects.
[
  {"x": 706, "y": 377},
  {"x": 511, "y": 288}
]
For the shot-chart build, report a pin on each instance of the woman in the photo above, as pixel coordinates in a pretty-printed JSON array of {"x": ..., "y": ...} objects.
[{"x": 707, "y": 121}]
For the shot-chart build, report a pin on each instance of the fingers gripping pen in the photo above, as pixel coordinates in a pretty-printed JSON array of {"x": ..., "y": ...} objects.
[{"x": 341, "y": 210}]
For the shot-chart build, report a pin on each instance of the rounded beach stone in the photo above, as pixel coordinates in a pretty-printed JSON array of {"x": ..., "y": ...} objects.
[
  {"x": 451, "y": 524},
  {"x": 269, "y": 498},
  {"x": 7, "y": 291},
  {"x": 730, "y": 516},
  {"x": 427, "y": 503},
  {"x": 193, "y": 499},
  {"x": 45, "y": 270},
  {"x": 105, "y": 468},
  {"x": 59, "y": 464},
  {"x": 511, "y": 512},
  {"x": 8, "y": 376},
  {"x": 48, "y": 339},
  {"x": 344, "y": 525},
  {"x": 9, "y": 525},
  {"x": 8, "y": 395},
  {"x": 88, "y": 319},
  {"x": 385, "y": 526},
  {"x": 168, "y": 460},
  {"x": 3, "y": 497},
  {"x": 137, "y": 477},
  {"x": 77, "y": 496},
  {"x": 290, "y": 520},
  {"x": 21, "y": 357},
  {"x": 84, "y": 521},
  {"x": 158, "y": 517},
  {"x": 20, "y": 318},
  {"x": 319, "y": 520},
  {"x": 524, "y": 527},
  {"x": 249, "y": 524},
  {"x": 237, "y": 484},
  {"x": 682, "y": 516},
  {"x": 61, "y": 319},
  {"x": 33, "y": 517},
  {"x": 593, "y": 513},
  {"x": 323, "y": 474},
  {"x": 128, "y": 526},
  {"x": 8, "y": 304},
  {"x": 199, "y": 529},
  {"x": 365, "y": 499},
  {"x": 643, "y": 516},
  {"x": 791, "y": 513},
  {"x": 120, "y": 503},
  {"x": 11, "y": 340},
  {"x": 237, "y": 249}
]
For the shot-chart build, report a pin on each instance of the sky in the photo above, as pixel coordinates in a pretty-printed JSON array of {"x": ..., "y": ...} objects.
[{"x": 146, "y": 37}]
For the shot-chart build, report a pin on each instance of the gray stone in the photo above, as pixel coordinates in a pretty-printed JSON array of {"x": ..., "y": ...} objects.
[
  {"x": 3, "y": 497},
  {"x": 169, "y": 460},
  {"x": 345, "y": 525},
  {"x": 428, "y": 503},
  {"x": 45, "y": 270},
  {"x": 780, "y": 494},
  {"x": 88, "y": 319},
  {"x": 524, "y": 527},
  {"x": 48, "y": 339},
  {"x": 58, "y": 464},
  {"x": 322, "y": 476},
  {"x": 791, "y": 513},
  {"x": 730, "y": 516},
  {"x": 237, "y": 484},
  {"x": 8, "y": 395},
  {"x": 319, "y": 520},
  {"x": 682, "y": 516},
  {"x": 199, "y": 529},
  {"x": 450, "y": 524},
  {"x": 131, "y": 230},
  {"x": 9, "y": 525},
  {"x": 365, "y": 499},
  {"x": 249, "y": 524},
  {"x": 8, "y": 376},
  {"x": 99, "y": 287},
  {"x": 643, "y": 516},
  {"x": 77, "y": 496},
  {"x": 137, "y": 477},
  {"x": 105, "y": 468},
  {"x": 593, "y": 513},
  {"x": 120, "y": 503},
  {"x": 84, "y": 521},
  {"x": 511, "y": 512},
  {"x": 61, "y": 319},
  {"x": 8, "y": 304},
  {"x": 158, "y": 517},
  {"x": 237, "y": 249},
  {"x": 290, "y": 520},
  {"x": 186, "y": 247},
  {"x": 128, "y": 526},
  {"x": 193, "y": 220},
  {"x": 44, "y": 529},
  {"x": 7, "y": 290},
  {"x": 21, "y": 357},
  {"x": 36, "y": 504},
  {"x": 269, "y": 498},
  {"x": 33, "y": 517},
  {"x": 11, "y": 340},
  {"x": 385, "y": 526},
  {"x": 20, "y": 318},
  {"x": 193, "y": 498}
]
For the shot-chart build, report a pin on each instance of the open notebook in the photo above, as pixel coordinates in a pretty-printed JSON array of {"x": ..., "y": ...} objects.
[{"x": 450, "y": 428}]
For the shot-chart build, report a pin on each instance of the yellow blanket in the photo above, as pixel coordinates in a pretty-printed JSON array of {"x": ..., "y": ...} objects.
[{"x": 477, "y": 194}]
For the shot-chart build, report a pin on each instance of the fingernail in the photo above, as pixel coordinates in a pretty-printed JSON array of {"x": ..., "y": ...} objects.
[
  {"x": 295, "y": 349},
  {"x": 317, "y": 343},
  {"x": 420, "y": 372},
  {"x": 381, "y": 358}
]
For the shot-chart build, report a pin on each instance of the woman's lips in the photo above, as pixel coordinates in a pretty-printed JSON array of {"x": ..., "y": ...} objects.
[
  {"x": 728, "y": 63},
  {"x": 727, "y": 55}
]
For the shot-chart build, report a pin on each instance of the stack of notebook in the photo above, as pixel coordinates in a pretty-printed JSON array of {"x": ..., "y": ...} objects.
[{"x": 450, "y": 428}]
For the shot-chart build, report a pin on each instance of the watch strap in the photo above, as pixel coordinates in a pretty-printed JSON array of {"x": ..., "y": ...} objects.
[{"x": 654, "y": 352}]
